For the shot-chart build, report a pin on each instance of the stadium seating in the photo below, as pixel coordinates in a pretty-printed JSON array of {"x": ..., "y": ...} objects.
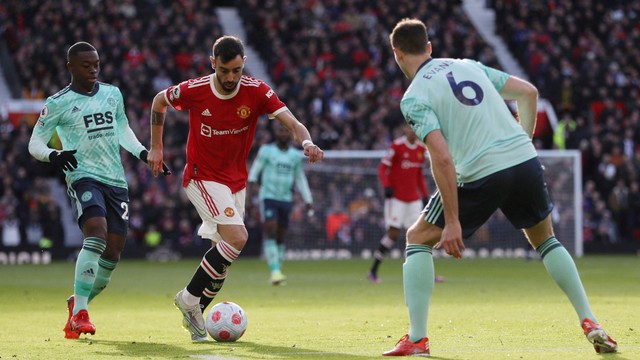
[
  {"x": 584, "y": 58},
  {"x": 330, "y": 62}
]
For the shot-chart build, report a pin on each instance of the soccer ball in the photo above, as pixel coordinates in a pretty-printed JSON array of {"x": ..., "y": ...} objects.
[{"x": 226, "y": 321}]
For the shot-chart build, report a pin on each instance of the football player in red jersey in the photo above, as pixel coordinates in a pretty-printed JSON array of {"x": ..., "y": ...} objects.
[
  {"x": 405, "y": 191},
  {"x": 224, "y": 108}
]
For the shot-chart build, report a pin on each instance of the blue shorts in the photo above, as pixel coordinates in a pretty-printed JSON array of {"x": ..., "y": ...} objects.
[
  {"x": 92, "y": 198},
  {"x": 276, "y": 210},
  {"x": 519, "y": 191}
]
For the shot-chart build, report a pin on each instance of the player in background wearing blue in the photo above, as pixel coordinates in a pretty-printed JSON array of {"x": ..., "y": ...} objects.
[
  {"x": 482, "y": 159},
  {"x": 91, "y": 123},
  {"x": 276, "y": 167}
]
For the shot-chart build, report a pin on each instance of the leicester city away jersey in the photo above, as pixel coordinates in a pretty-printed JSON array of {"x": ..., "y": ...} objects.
[
  {"x": 93, "y": 124},
  {"x": 461, "y": 98},
  {"x": 277, "y": 170}
]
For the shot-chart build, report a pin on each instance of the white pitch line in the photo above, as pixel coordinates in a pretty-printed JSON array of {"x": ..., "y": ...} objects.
[{"x": 213, "y": 357}]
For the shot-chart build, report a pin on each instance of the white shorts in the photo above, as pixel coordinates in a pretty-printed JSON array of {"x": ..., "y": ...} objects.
[
  {"x": 216, "y": 205},
  {"x": 400, "y": 214}
]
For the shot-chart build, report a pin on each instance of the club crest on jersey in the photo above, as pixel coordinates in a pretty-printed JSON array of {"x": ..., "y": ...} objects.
[
  {"x": 243, "y": 111},
  {"x": 86, "y": 196},
  {"x": 229, "y": 212},
  {"x": 111, "y": 102},
  {"x": 175, "y": 93}
]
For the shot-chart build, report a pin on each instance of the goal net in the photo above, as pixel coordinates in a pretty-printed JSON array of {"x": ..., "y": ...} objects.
[{"x": 349, "y": 222}]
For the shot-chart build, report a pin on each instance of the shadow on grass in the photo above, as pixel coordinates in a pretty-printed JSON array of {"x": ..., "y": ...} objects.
[{"x": 215, "y": 350}]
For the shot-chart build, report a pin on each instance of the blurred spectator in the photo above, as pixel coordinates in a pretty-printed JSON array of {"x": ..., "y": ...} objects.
[
  {"x": 331, "y": 62},
  {"x": 590, "y": 73},
  {"x": 139, "y": 65},
  {"x": 337, "y": 224},
  {"x": 566, "y": 125},
  {"x": 153, "y": 237}
]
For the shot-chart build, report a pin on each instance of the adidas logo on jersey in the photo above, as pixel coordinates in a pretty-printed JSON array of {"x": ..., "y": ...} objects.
[
  {"x": 206, "y": 112},
  {"x": 75, "y": 109}
]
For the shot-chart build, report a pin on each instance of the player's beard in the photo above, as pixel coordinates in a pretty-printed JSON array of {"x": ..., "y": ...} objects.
[
  {"x": 230, "y": 86},
  {"x": 227, "y": 87}
]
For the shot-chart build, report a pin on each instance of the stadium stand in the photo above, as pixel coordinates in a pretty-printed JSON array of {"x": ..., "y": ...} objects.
[
  {"x": 178, "y": 36},
  {"x": 584, "y": 57},
  {"x": 331, "y": 63}
]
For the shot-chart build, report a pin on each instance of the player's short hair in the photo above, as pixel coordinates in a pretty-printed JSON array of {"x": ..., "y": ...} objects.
[
  {"x": 79, "y": 47},
  {"x": 227, "y": 48},
  {"x": 410, "y": 36}
]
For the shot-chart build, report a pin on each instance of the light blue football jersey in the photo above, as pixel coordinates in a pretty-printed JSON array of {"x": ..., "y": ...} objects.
[
  {"x": 461, "y": 98},
  {"x": 277, "y": 171},
  {"x": 93, "y": 124}
]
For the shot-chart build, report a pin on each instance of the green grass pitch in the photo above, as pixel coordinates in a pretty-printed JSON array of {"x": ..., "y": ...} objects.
[{"x": 486, "y": 309}]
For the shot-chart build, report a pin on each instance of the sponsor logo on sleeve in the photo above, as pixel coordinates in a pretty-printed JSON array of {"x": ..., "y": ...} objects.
[
  {"x": 269, "y": 93},
  {"x": 175, "y": 93},
  {"x": 44, "y": 112}
]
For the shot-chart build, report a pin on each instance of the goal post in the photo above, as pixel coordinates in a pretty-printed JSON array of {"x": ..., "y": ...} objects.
[{"x": 349, "y": 222}]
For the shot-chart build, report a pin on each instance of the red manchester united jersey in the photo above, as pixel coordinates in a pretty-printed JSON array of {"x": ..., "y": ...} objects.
[
  {"x": 222, "y": 127},
  {"x": 401, "y": 169}
]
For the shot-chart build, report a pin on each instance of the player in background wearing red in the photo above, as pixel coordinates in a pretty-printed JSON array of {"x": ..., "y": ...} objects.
[
  {"x": 405, "y": 191},
  {"x": 224, "y": 108}
]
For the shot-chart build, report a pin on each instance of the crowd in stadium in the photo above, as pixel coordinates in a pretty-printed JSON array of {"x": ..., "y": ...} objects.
[
  {"x": 331, "y": 64},
  {"x": 584, "y": 58}
]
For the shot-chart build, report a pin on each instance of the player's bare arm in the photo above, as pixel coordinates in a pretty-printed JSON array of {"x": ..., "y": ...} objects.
[
  {"x": 526, "y": 96},
  {"x": 444, "y": 174},
  {"x": 301, "y": 135},
  {"x": 158, "y": 115}
]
